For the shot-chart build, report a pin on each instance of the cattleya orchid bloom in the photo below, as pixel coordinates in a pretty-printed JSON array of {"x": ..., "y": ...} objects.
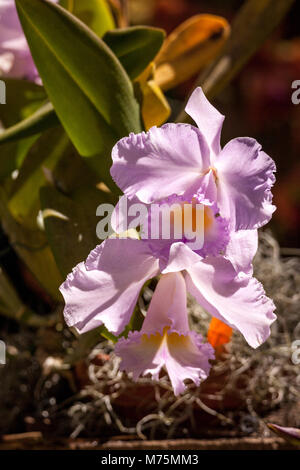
[
  {"x": 182, "y": 163},
  {"x": 15, "y": 56},
  {"x": 105, "y": 289},
  {"x": 188, "y": 161},
  {"x": 166, "y": 340}
]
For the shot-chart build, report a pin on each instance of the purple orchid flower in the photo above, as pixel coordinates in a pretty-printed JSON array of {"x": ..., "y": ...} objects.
[
  {"x": 105, "y": 289},
  {"x": 165, "y": 339},
  {"x": 188, "y": 161},
  {"x": 15, "y": 56},
  {"x": 184, "y": 164}
]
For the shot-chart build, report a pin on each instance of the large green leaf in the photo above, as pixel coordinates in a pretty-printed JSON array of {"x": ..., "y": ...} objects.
[
  {"x": 135, "y": 47},
  {"x": 95, "y": 14},
  {"x": 89, "y": 89}
]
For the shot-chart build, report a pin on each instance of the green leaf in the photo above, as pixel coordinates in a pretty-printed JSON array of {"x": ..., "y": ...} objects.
[
  {"x": 70, "y": 223},
  {"x": 95, "y": 14},
  {"x": 12, "y": 154},
  {"x": 72, "y": 171},
  {"x": 39, "y": 121},
  {"x": 33, "y": 249},
  {"x": 44, "y": 154},
  {"x": 23, "y": 99},
  {"x": 89, "y": 89},
  {"x": 135, "y": 47}
]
